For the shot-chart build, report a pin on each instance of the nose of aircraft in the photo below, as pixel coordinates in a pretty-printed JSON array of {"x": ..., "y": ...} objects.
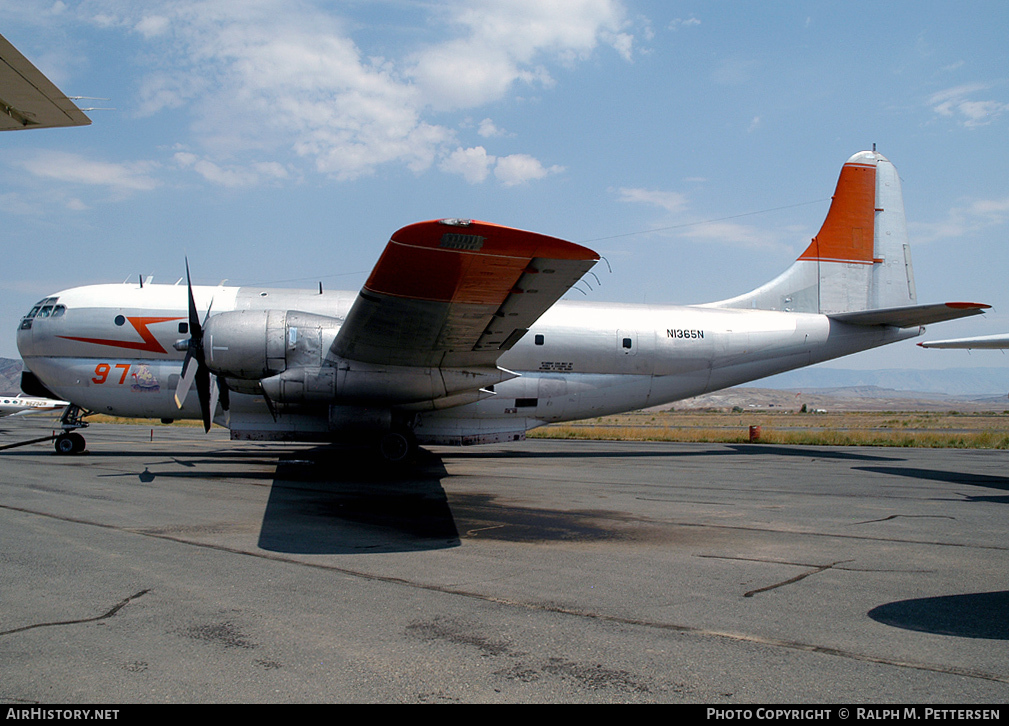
[{"x": 31, "y": 326}]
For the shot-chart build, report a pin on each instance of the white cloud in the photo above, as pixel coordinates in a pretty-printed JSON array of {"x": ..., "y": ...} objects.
[
  {"x": 270, "y": 77},
  {"x": 473, "y": 164},
  {"x": 733, "y": 235},
  {"x": 678, "y": 23},
  {"x": 718, "y": 231},
  {"x": 488, "y": 129},
  {"x": 153, "y": 25},
  {"x": 521, "y": 168},
  {"x": 231, "y": 176},
  {"x": 503, "y": 42},
  {"x": 972, "y": 218},
  {"x": 74, "y": 168},
  {"x": 960, "y": 103},
  {"x": 670, "y": 201}
]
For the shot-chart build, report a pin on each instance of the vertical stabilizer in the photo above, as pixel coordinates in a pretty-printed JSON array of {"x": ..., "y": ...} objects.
[{"x": 859, "y": 260}]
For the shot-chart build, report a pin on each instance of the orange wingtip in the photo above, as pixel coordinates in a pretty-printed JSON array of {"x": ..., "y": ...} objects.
[
  {"x": 967, "y": 306},
  {"x": 470, "y": 235},
  {"x": 464, "y": 261}
]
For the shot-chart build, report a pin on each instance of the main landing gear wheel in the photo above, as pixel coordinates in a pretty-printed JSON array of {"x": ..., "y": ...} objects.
[
  {"x": 69, "y": 443},
  {"x": 396, "y": 446}
]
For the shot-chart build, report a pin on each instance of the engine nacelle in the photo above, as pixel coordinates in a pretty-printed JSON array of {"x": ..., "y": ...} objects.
[
  {"x": 255, "y": 344},
  {"x": 354, "y": 381},
  {"x": 285, "y": 354}
]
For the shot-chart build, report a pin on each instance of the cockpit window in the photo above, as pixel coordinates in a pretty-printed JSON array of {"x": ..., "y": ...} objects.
[{"x": 42, "y": 309}]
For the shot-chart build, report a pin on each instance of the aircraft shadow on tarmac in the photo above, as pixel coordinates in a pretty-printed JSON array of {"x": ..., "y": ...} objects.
[
  {"x": 991, "y": 481},
  {"x": 972, "y": 615},
  {"x": 665, "y": 450},
  {"x": 333, "y": 501}
]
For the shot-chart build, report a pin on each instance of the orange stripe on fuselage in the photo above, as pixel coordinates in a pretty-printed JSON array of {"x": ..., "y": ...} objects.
[
  {"x": 847, "y": 234},
  {"x": 150, "y": 344}
]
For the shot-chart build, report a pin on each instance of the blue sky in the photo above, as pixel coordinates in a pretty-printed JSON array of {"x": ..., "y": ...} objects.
[{"x": 279, "y": 142}]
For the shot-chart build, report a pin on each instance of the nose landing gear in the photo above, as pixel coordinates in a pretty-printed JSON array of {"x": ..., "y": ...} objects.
[{"x": 71, "y": 442}]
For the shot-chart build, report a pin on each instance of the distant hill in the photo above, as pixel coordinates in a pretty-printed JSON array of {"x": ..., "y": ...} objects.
[
  {"x": 969, "y": 382},
  {"x": 850, "y": 389},
  {"x": 10, "y": 375}
]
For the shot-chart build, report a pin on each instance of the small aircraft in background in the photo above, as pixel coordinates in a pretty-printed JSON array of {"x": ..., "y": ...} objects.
[
  {"x": 20, "y": 404},
  {"x": 459, "y": 335}
]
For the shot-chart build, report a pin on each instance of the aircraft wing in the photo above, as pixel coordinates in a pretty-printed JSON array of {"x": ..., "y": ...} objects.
[
  {"x": 457, "y": 293},
  {"x": 911, "y": 315},
  {"x": 991, "y": 342},
  {"x": 29, "y": 100}
]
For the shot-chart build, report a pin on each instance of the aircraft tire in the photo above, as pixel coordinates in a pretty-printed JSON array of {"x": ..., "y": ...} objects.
[
  {"x": 70, "y": 443},
  {"x": 396, "y": 446}
]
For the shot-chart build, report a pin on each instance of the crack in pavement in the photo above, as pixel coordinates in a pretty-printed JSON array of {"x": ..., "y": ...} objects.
[{"x": 104, "y": 616}]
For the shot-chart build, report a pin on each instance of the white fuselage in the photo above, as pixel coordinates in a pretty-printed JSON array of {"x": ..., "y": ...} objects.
[{"x": 110, "y": 351}]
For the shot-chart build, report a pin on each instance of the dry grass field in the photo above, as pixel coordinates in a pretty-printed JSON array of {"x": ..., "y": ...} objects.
[
  {"x": 884, "y": 428},
  {"x": 934, "y": 429}
]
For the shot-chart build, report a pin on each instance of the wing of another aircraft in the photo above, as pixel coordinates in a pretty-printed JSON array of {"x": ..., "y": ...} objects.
[
  {"x": 457, "y": 293},
  {"x": 29, "y": 100},
  {"x": 990, "y": 342},
  {"x": 911, "y": 315}
]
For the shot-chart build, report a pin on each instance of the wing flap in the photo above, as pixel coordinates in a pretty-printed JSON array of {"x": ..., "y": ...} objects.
[
  {"x": 457, "y": 293},
  {"x": 30, "y": 100},
  {"x": 911, "y": 315}
]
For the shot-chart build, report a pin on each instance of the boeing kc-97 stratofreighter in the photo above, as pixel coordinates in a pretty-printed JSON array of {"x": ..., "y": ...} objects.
[{"x": 457, "y": 337}]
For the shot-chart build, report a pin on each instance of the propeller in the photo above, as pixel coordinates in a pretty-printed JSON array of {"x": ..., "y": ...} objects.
[{"x": 209, "y": 389}]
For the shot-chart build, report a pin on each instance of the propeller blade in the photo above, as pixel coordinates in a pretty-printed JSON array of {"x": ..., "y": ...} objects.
[
  {"x": 269, "y": 404},
  {"x": 196, "y": 359},
  {"x": 203, "y": 391},
  {"x": 189, "y": 367},
  {"x": 225, "y": 399},
  {"x": 195, "y": 330},
  {"x": 225, "y": 393},
  {"x": 215, "y": 393}
]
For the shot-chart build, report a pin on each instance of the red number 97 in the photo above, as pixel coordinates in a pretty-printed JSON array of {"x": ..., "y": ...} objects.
[{"x": 101, "y": 373}]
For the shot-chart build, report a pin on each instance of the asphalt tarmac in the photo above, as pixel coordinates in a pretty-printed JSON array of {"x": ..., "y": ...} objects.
[{"x": 165, "y": 565}]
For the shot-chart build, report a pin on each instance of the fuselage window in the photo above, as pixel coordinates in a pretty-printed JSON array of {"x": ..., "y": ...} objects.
[
  {"x": 538, "y": 340},
  {"x": 183, "y": 328},
  {"x": 628, "y": 343}
]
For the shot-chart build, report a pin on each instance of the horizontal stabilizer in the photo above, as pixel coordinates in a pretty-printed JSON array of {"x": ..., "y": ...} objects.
[{"x": 911, "y": 315}]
